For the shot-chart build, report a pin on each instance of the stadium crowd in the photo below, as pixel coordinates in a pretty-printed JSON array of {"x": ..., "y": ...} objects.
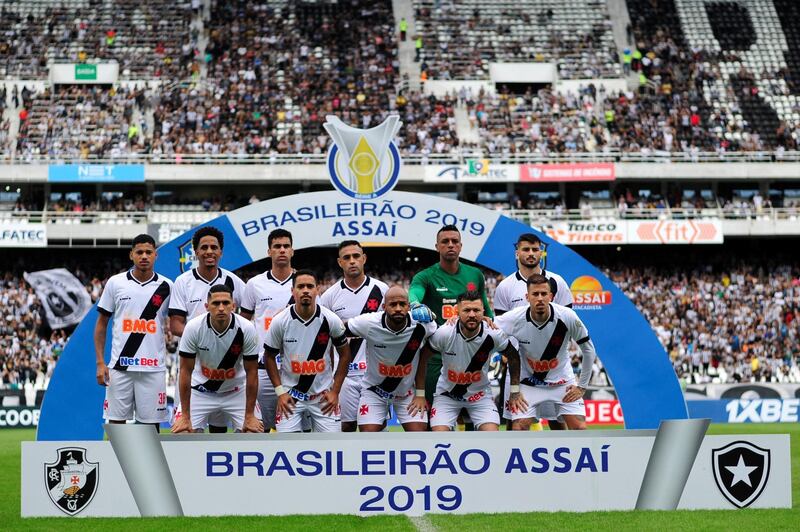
[{"x": 737, "y": 326}]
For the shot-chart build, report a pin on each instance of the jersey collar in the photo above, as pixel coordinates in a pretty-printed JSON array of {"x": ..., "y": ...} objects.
[
  {"x": 213, "y": 330},
  {"x": 542, "y": 326},
  {"x": 274, "y": 279},
  {"x": 201, "y": 278},
  {"x": 344, "y": 286},
  {"x": 153, "y": 279},
  {"x": 385, "y": 325},
  {"x": 297, "y": 317},
  {"x": 461, "y": 334},
  {"x": 520, "y": 277}
]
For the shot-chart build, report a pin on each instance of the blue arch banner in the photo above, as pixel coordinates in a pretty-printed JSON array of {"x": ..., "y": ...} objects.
[{"x": 634, "y": 359}]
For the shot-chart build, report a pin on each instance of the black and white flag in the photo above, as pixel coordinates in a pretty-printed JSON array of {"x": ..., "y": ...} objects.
[{"x": 64, "y": 299}]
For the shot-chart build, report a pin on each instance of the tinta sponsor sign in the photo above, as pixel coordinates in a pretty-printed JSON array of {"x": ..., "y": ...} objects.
[
  {"x": 85, "y": 72},
  {"x": 95, "y": 173}
]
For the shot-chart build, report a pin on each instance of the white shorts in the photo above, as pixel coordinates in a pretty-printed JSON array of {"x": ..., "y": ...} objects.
[
  {"x": 226, "y": 407},
  {"x": 544, "y": 410},
  {"x": 305, "y": 411},
  {"x": 144, "y": 392},
  {"x": 374, "y": 409},
  {"x": 349, "y": 397},
  {"x": 537, "y": 395},
  {"x": 445, "y": 410}
]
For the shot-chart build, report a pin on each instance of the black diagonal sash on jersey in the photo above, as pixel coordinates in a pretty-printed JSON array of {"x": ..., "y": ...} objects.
[
  {"x": 150, "y": 311},
  {"x": 228, "y": 360},
  {"x": 229, "y": 283},
  {"x": 553, "y": 347},
  {"x": 376, "y": 296},
  {"x": 390, "y": 384},
  {"x": 475, "y": 364},
  {"x": 316, "y": 353}
]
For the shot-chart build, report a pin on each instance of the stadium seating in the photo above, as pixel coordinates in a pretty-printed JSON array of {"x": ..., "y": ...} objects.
[
  {"x": 151, "y": 39},
  {"x": 462, "y": 38}
]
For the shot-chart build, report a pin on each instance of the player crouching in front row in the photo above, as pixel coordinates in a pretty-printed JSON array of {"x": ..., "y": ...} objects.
[
  {"x": 218, "y": 367},
  {"x": 466, "y": 347}
]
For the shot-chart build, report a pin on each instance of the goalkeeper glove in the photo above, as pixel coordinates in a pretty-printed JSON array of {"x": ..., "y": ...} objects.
[{"x": 421, "y": 313}]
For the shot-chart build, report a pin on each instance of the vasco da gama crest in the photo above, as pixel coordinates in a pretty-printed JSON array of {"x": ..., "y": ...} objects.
[
  {"x": 741, "y": 471},
  {"x": 71, "y": 480}
]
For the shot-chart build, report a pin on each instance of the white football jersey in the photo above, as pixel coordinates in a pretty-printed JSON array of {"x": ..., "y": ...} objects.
[
  {"x": 265, "y": 296},
  {"x": 544, "y": 357},
  {"x": 512, "y": 292},
  {"x": 303, "y": 346},
  {"x": 465, "y": 362},
  {"x": 190, "y": 292},
  {"x": 219, "y": 357},
  {"x": 139, "y": 311},
  {"x": 392, "y": 357},
  {"x": 348, "y": 303}
]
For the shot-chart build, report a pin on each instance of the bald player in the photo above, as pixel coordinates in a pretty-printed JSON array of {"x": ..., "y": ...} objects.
[{"x": 394, "y": 342}]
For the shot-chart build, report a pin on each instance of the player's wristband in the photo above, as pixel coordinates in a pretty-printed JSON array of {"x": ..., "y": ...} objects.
[
  {"x": 419, "y": 393},
  {"x": 280, "y": 390},
  {"x": 514, "y": 388}
]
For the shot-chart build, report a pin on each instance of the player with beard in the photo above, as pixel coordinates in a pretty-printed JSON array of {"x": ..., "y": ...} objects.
[
  {"x": 393, "y": 342},
  {"x": 355, "y": 294}
]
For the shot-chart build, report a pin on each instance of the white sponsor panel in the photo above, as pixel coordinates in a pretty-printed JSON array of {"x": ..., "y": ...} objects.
[
  {"x": 477, "y": 170},
  {"x": 413, "y": 474},
  {"x": 587, "y": 232},
  {"x": 317, "y": 218},
  {"x": 675, "y": 232},
  {"x": 23, "y": 235}
]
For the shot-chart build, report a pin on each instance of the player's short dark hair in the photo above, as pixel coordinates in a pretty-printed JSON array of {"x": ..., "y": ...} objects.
[
  {"x": 310, "y": 273},
  {"x": 346, "y": 243},
  {"x": 279, "y": 233},
  {"x": 220, "y": 288},
  {"x": 538, "y": 278},
  {"x": 448, "y": 227},
  {"x": 530, "y": 238},
  {"x": 143, "y": 238},
  {"x": 470, "y": 295},
  {"x": 208, "y": 231}
]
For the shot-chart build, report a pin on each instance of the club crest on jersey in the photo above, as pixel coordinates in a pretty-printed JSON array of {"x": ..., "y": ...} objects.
[
  {"x": 157, "y": 300},
  {"x": 236, "y": 349},
  {"x": 413, "y": 344},
  {"x": 71, "y": 480},
  {"x": 471, "y": 286},
  {"x": 186, "y": 257},
  {"x": 322, "y": 338},
  {"x": 372, "y": 304},
  {"x": 363, "y": 163}
]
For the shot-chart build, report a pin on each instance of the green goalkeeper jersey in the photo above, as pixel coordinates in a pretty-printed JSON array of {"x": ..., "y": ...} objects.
[{"x": 439, "y": 290}]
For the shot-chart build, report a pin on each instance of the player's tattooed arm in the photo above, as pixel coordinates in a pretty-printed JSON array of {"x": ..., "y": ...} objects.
[
  {"x": 516, "y": 401},
  {"x": 418, "y": 403}
]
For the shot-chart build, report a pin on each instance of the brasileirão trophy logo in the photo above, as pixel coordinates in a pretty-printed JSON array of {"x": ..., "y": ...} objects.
[{"x": 363, "y": 163}]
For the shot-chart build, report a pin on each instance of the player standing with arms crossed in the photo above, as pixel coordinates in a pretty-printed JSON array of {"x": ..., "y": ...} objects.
[
  {"x": 437, "y": 288},
  {"x": 265, "y": 295},
  {"x": 306, "y": 383},
  {"x": 219, "y": 367},
  {"x": 393, "y": 343},
  {"x": 355, "y": 294},
  {"x": 543, "y": 330},
  {"x": 190, "y": 291},
  {"x": 466, "y": 348},
  {"x": 135, "y": 378}
]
